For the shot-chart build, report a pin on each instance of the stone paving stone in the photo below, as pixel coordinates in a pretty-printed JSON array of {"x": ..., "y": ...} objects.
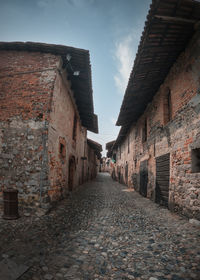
[
  {"x": 9, "y": 270},
  {"x": 104, "y": 232}
]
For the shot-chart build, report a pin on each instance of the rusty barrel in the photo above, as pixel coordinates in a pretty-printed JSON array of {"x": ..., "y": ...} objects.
[{"x": 10, "y": 199}]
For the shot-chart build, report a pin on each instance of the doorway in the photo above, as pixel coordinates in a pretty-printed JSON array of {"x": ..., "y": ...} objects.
[
  {"x": 72, "y": 167},
  {"x": 143, "y": 177},
  {"x": 162, "y": 179}
]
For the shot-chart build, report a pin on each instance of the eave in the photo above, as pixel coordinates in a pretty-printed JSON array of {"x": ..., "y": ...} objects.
[
  {"x": 169, "y": 27},
  {"x": 81, "y": 84}
]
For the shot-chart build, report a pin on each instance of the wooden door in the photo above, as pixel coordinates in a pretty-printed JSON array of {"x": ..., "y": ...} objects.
[
  {"x": 126, "y": 173},
  {"x": 71, "y": 173},
  {"x": 143, "y": 177},
  {"x": 162, "y": 179}
]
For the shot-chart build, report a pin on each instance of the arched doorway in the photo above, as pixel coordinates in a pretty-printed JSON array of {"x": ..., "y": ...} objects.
[{"x": 72, "y": 167}]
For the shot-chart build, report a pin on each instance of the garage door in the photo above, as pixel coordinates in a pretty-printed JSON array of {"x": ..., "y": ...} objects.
[{"x": 162, "y": 179}]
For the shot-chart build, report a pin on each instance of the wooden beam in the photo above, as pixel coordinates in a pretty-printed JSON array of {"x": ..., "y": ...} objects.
[{"x": 175, "y": 19}]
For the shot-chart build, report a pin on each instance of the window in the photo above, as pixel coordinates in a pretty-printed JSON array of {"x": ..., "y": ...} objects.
[
  {"x": 195, "y": 160},
  {"x": 62, "y": 149},
  {"x": 167, "y": 107},
  {"x": 128, "y": 144},
  {"x": 135, "y": 161},
  {"x": 74, "y": 128},
  {"x": 144, "y": 131}
]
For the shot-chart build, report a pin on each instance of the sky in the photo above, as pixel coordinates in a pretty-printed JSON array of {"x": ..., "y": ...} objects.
[{"x": 109, "y": 29}]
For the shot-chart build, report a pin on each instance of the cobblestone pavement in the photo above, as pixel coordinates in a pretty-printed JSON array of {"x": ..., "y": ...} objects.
[{"x": 103, "y": 232}]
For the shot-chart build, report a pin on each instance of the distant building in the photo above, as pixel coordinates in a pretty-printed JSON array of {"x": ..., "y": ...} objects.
[
  {"x": 105, "y": 164},
  {"x": 157, "y": 150},
  {"x": 46, "y": 108},
  {"x": 93, "y": 159}
]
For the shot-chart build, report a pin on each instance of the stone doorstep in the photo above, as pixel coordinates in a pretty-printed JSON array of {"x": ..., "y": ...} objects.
[{"x": 10, "y": 270}]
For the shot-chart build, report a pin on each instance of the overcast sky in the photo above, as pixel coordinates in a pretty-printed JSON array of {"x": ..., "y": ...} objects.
[{"x": 109, "y": 29}]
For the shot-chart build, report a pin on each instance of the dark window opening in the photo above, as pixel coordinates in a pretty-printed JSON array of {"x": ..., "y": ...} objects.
[
  {"x": 144, "y": 131},
  {"x": 114, "y": 157},
  {"x": 74, "y": 128},
  {"x": 196, "y": 160},
  {"x": 39, "y": 117},
  {"x": 167, "y": 107},
  {"x": 135, "y": 161},
  {"x": 62, "y": 150},
  {"x": 128, "y": 144}
]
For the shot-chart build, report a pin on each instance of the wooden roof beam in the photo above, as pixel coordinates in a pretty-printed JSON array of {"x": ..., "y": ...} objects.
[{"x": 175, "y": 19}]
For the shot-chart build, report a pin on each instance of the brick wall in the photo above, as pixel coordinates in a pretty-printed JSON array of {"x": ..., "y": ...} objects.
[
  {"x": 27, "y": 81},
  {"x": 177, "y": 136},
  {"x": 61, "y": 130},
  {"x": 26, "y": 85},
  {"x": 43, "y": 145}
]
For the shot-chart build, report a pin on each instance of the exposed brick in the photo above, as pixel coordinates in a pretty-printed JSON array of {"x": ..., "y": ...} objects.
[
  {"x": 36, "y": 126},
  {"x": 178, "y": 136}
]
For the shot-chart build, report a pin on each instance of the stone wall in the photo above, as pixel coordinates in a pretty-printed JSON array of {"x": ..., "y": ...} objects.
[
  {"x": 177, "y": 136},
  {"x": 60, "y": 137},
  {"x": 42, "y": 141},
  {"x": 26, "y": 86},
  {"x": 92, "y": 163}
]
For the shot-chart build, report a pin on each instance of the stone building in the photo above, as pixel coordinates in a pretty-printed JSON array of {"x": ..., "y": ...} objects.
[
  {"x": 157, "y": 150},
  {"x": 94, "y": 157},
  {"x": 46, "y": 108},
  {"x": 105, "y": 162}
]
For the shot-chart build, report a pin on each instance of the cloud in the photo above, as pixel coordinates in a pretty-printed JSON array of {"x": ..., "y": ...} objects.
[{"x": 124, "y": 55}]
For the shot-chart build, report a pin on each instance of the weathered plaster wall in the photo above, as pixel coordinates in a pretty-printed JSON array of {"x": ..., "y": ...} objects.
[
  {"x": 61, "y": 131},
  {"x": 177, "y": 137},
  {"x": 26, "y": 85},
  {"x": 37, "y": 135},
  {"x": 92, "y": 163}
]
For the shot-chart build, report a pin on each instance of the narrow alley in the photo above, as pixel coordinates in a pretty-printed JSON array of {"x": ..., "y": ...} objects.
[{"x": 103, "y": 231}]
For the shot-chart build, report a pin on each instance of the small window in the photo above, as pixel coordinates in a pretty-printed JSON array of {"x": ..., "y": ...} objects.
[
  {"x": 74, "y": 128},
  {"x": 128, "y": 144},
  {"x": 62, "y": 148},
  {"x": 196, "y": 160},
  {"x": 135, "y": 161},
  {"x": 167, "y": 107},
  {"x": 62, "y": 151},
  {"x": 144, "y": 131}
]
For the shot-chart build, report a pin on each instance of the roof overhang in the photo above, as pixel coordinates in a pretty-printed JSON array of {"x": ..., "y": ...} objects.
[
  {"x": 109, "y": 147},
  {"x": 170, "y": 25},
  {"x": 96, "y": 147},
  {"x": 81, "y": 84}
]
